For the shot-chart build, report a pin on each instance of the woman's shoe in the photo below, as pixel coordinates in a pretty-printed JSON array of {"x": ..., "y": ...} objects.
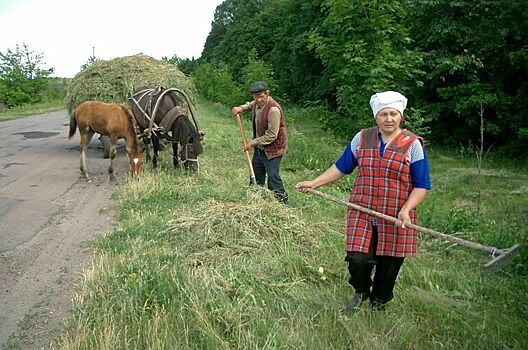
[{"x": 356, "y": 300}]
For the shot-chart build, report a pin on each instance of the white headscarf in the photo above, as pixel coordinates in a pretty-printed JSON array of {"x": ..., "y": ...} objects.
[{"x": 386, "y": 99}]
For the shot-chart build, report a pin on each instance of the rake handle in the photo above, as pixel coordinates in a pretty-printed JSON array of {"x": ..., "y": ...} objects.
[
  {"x": 248, "y": 158},
  {"x": 463, "y": 242}
]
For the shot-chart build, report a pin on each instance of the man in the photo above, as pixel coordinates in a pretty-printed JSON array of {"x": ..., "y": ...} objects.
[{"x": 270, "y": 140}]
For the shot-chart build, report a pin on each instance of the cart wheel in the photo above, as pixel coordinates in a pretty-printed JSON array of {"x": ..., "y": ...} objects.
[{"x": 105, "y": 141}]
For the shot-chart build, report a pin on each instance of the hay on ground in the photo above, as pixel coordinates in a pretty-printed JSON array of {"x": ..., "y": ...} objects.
[{"x": 215, "y": 231}]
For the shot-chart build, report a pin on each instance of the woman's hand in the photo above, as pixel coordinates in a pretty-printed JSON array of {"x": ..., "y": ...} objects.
[
  {"x": 303, "y": 186},
  {"x": 415, "y": 198},
  {"x": 404, "y": 219}
]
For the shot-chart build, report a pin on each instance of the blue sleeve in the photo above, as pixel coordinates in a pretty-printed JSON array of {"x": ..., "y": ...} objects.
[
  {"x": 420, "y": 173},
  {"x": 347, "y": 162}
]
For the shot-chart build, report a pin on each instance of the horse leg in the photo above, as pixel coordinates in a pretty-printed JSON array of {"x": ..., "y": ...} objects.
[
  {"x": 113, "y": 152},
  {"x": 86, "y": 137},
  {"x": 146, "y": 142},
  {"x": 175, "y": 155},
  {"x": 156, "y": 144}
]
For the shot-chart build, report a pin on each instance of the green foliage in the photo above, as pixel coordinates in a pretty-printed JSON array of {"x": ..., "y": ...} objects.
[
  {"x": 187, "y": 66},
  {"x": 255, "y": 70},
  {"x": 275, "y": 33},
  {"x": 22, "y": 80},
  {"x": 301, "y": 74},
  {"x": 475, "y": 54},
  {"x": 366, "y": 45},
  {"x": 415, "y": 121},
  {"x": 237, "y": 29},
  {"x": 336, "y": 53},
  {"x": 214, "y": 82}
]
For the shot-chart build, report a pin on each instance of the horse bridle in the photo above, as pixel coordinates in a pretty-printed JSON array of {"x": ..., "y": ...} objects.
[{"x": 187, "y": 159}]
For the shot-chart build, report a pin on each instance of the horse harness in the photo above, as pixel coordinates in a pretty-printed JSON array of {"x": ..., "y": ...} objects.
[{"x": 167, "y": 120}]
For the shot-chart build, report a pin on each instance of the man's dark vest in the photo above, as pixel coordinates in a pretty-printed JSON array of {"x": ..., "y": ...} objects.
[{"x": 280, "y": 145}]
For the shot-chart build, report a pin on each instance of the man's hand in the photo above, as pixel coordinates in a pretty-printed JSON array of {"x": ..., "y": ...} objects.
[
  {"x": 236, "y": 110},
  {"x": 248, "y": 147}
]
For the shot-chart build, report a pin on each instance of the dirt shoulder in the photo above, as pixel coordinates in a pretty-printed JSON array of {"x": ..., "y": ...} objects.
[{"x": 48, "y": 216}]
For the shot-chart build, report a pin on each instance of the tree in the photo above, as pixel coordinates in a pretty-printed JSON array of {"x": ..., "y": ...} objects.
[
  {"x": 21, "y": 79},
  {"x": 475, "y": 55},
  {"x": 214, "y": 82},
  {"x": 365, "y": 46},
  {"x": 256, "y": 69},
  {"x": 187, "y": 66},
  {"x": 237, "y": 29}
]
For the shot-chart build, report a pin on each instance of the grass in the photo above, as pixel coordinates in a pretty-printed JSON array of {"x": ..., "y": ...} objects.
[
  {"x": 199, "y": 261},
  {"x": 24, "y": 111}
]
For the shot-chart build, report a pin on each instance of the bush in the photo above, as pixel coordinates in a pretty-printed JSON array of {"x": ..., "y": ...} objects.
[
  {"x": 22, "y": 81},
  {"x": 215, "y": 84},
  {"x": 257, "y": 70}
]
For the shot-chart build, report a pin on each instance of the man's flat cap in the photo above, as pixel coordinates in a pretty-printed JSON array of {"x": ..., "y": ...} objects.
[{"x": 258, "y": 87}]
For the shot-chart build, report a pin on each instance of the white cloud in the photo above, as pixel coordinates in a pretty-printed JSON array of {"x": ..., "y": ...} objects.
[{"x": 66, "y": 31}]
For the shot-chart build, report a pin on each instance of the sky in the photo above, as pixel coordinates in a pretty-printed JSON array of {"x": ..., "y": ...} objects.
[{"x": 68, "y": 32}]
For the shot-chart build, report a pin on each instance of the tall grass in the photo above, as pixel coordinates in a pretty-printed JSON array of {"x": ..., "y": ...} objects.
[
  {"x": 51, "y": 105},
  {"x": 201, "y": 261}
]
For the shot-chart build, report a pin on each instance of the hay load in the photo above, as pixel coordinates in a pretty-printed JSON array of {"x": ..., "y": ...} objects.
[{"x": 115, "y": 80}]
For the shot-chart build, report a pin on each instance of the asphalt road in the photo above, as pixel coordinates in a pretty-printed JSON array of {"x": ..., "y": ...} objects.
[{"x": 47, "y": 213}]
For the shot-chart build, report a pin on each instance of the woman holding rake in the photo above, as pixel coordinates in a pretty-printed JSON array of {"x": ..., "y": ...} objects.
[{"x": 392, "y": 178}]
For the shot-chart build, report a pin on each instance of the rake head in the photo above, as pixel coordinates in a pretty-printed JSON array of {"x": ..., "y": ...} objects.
[{"x": 504, "y": 257}]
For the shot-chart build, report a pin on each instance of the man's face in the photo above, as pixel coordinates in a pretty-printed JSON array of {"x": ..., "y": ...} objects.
[{"x": 261, "y": 98}]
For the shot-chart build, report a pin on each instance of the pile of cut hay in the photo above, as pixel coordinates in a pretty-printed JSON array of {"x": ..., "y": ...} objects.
[
  {"x": 214, "y": 231},
  {"x": 115, "y": 80}
]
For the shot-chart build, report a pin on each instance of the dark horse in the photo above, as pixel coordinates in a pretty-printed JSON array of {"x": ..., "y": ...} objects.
[
  {"x": 161, "y": 116},
  {"x": 110, "y": 119}
]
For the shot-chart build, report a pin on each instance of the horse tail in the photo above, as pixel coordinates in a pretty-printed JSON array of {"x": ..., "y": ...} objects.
[{"x": 73, "y": 125}]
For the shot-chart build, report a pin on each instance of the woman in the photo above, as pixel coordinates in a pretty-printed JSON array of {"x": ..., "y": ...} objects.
[{"x": 393, "y": 178}]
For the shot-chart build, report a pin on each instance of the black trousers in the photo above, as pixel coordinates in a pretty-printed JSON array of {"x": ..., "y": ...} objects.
[
  {"x": 271, "y": 167},
  {"x": 360, "y": 267}
]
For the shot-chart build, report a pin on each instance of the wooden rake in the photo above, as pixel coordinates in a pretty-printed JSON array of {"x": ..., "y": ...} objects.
[
  {"x": 248, "y": 158},
  {"x": 500, "y": 257}
]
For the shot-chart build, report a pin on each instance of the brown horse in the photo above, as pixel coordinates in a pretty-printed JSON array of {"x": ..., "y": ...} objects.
[
  {"x": 161, "y": 116},
  {"x": 110, "y": 119}
]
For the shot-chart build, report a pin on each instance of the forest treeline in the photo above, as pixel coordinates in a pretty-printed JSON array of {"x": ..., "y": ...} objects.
[{"x": 454, "y": 60}]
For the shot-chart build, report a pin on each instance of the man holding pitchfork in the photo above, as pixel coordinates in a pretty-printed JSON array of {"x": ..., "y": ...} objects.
[{"x": 269, "y": 141}]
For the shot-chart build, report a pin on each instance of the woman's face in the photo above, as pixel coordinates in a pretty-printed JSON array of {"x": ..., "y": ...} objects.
[{"x": 389, "y": 120}]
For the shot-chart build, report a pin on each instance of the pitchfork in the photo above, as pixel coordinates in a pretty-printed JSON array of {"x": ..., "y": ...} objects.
[{"x": 248, "y": 158}]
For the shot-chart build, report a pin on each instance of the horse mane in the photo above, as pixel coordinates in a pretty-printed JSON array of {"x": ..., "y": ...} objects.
[{"x": 131, "y": 127}]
